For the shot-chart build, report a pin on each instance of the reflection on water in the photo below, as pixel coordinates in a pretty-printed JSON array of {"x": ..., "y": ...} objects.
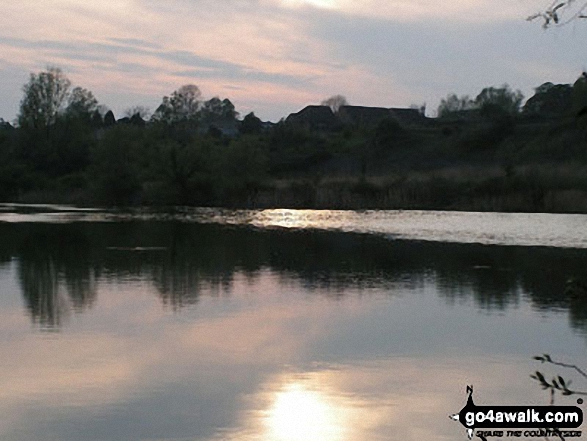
[
  {"x": 180, "y": 331},
  {"x": 59, "y": 265},
  {"x": 299, "y": 413},
  {"x": 525, "y": 229},
  {"x": 530, "y": 229}
]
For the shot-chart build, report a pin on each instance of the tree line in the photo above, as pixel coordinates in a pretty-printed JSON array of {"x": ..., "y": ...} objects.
[{"x": 67, "y": 147}]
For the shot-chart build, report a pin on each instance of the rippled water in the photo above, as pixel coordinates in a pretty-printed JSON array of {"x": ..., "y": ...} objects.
[
  {"x": 526, "y": 229},
  {"x": 278, "y": 324}
]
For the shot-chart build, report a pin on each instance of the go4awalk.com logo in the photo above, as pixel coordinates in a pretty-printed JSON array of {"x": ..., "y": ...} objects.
[{"x": 518, "y": 421}]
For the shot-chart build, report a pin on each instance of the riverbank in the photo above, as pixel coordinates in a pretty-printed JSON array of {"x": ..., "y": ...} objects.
[
  {"x": 530, "y": 189},
  {"x": 514, "y": 164}
]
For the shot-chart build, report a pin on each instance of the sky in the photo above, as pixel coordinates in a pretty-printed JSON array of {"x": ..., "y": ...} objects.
[{"x": 274, "y": 57}]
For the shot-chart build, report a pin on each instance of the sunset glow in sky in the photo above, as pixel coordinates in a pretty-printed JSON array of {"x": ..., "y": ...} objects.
[{"x": 276, "y": 56}]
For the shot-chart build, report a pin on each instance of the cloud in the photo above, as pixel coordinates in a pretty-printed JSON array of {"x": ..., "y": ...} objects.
[
  {"x": 462, "y": 11},
  {"x": 279, "y": 55}
]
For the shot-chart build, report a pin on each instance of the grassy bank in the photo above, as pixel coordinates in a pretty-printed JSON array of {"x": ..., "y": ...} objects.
[
  {"x": 525, "y": 189},
  {"x": 538, "y": 188}
]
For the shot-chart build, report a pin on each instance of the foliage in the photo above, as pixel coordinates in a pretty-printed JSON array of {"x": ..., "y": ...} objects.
[
  {"x": 115, "y": 166},
  {"x": 81, "y": 103},
  {"x": 196, "y": 152},
  {"x": 251, "y": 125},
  {"x": 579, "y": 96},
  {"x": 216, "y": 109},
  {"x": 388, "y": 132},
  {"x": 295, "y": 149},
  {"x": 454, "y": 105},
  {"x": 243, "y": 166},
  {"x": 45, "y": 97},
  {"x": 494, "y": 101},
  {"x": 109, "y": 119},
  {"x": 550, "y": 100},
  {"x": 186, "y": 170},
  {"x": 142, "y": 111},
  {"x": 182, "y": 106},
  {"x": 335, "y": 102}
]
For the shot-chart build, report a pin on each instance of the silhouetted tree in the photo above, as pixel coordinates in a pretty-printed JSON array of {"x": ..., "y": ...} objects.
[
  {"x": 97, "y": 119},
  {"x": 109, "y": 119},
  {"x": 183, "y": 105},
  {"x": 142, "y": 111},
  {"x": 228, "y": 109},
  {"x": 499, "y": 100},
  {"x": 335, "y": 102},
  {"x": 550, "y": 99},
  {"x": 216, "y": 109},
  {"x": 387, "y": 132},
  {"x": 115, "y": 165},
  {"x": 244, "y": 165},
  {"x": 452, "y": 105},
  {"x": 45, "y": 97},
  {"x": 579, "y": 96},
  {"x": 251, "y": 125},
  {"x": 81, "y": 103}
]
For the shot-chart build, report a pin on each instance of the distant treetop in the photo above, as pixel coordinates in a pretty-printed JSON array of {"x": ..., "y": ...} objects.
[
  {"x": 335, "y": 102},
  {"x": 182, "y": 105}
]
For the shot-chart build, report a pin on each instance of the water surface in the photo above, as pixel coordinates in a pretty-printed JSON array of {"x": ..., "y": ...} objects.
[{"x": 277, "y": 325}]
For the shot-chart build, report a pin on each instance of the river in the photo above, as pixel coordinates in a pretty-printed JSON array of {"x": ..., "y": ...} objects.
[{"x": 206, "y": 324}]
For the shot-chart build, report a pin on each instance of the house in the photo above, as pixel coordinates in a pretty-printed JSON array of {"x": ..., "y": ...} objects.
[
  {"x": 314, "y": 118},
  {"x": 363, "y": 116},
  {"x": 322, "y": 117},
  {"x": 409, "y": 117},
  {"x": 5, "y": 125}
]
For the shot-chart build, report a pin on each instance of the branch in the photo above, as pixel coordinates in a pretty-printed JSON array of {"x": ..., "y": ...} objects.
[
  {"x": 553, "y": 15},
  {"x": 546, "y": 358},
  {"x": 558, "y": 382}
]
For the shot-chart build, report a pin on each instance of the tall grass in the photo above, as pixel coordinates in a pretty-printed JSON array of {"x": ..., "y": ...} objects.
[{"x": 531, "y": 188}]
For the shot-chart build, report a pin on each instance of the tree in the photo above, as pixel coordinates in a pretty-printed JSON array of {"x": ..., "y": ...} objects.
[
  {"x": 109, "y": 119},
  {"x": 216, "y": 109},
  {"x": 560, "y": 13},
  {"x": 494, "y": 101},
  {"x": 142, "y": 111},
  {"x": 453, "y": 105},
  {"x": 335, "y": 102},
  {"x": 550, "y": 100},
  {"x": 421, "y": 108},
  {"x": 212, "y": 109},
  {"x": 251, "y": 124},
  {"x": 228, "y": 109},
  {"x": 45, "y": 97},
  {"x": 115, "y": 172},
  {"x": 81, "y": 103},
  {"x": 579, "y": 96},
  {"x": 183, "y": 105}
]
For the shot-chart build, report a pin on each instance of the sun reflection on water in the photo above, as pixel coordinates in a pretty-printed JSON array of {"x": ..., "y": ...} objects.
[
  {"x": 286, "y": 218},
  {"x": 299, "y": 414}
]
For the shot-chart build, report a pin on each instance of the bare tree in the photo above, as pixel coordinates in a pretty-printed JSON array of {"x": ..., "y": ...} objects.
[
  {"x": 45, "y": 97},
  {"x": 560, "y": 13},
  {"x": 335, "y": 102}
]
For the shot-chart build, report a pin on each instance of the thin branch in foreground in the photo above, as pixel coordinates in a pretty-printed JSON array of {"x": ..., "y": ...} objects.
[{"x": 558, "y": 382}]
